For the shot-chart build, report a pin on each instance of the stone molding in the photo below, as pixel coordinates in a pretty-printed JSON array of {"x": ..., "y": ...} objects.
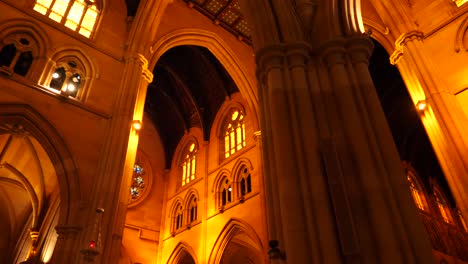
[
  {"x": 401, "y": 42},
  {"x": 145, "y": 72}
]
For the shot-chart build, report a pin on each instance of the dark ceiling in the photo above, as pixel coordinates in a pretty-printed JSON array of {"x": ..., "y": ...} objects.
[
  {"x": 188, "y": 88},
  {"x": 407, "y": 130},
  {"x": 225, "y": 13}
]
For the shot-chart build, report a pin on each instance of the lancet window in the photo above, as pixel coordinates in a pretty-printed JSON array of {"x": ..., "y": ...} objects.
[
  {"x": 16, "y": 55},
  {"x": 234, "y": 133},
  {"x": 189, "y": 164}
]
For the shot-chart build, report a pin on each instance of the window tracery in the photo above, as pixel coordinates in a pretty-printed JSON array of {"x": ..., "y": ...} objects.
[
  {"x": 234, "y": 133},
  {"x": 417, "y": 193},
  {"x": 189, "y": 164},
  {"x": 67, "y": 77},
  {"x": 16, "y": 54},
  {"x": 193, "y": 209},
  {"x": 226, "y": 192},
  {"x": 245, "y": 183},
  {"x": 178, "y": 217},
  {"x": 443, "y": 207},
  {"x": 77, "y": 15}
]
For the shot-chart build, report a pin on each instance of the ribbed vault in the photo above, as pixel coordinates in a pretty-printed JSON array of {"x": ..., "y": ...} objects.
[{"x": 189, "y": 87}]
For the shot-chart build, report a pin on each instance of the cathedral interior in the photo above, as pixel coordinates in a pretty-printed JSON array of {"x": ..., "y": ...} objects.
[{"x": 233, "y": 131}]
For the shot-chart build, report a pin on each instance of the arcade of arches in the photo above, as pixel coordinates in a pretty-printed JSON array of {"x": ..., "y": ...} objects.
[{"x": 230, "y": 131}]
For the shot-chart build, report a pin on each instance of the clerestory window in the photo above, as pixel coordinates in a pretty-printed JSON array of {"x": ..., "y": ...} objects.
[
  {"x": 189, "y": 164},
  {"x": 234, "y": 133},
  {"x": 77, "y": 15}
]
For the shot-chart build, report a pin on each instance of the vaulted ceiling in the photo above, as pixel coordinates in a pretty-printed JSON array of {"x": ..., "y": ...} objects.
[
  {"x": 225, "y": 13},
  {"x": 189, "y": 87}
]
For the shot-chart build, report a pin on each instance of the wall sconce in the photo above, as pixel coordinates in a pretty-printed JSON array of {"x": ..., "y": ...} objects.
[
  {"x": 136, "y": 124},
  {"x": 421, "y": 105},
  {"x": 94, "y": 244}
]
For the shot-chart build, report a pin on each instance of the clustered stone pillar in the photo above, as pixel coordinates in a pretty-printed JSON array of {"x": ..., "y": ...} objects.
[{"x": 335, "y": 188}]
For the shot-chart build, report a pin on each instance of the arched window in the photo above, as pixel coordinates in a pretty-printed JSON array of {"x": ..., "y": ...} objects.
[
  {"x": 189, "y": 164},
  {"x": 178, "y": 217},
  {"x": 225, "y": 192},
  {"x": 417, "y": 193},
  {"x": 234, "y": 133},
  {"x": 68, "y": 77},
  {"x": 78, "y": 15},
  {"x": 193, "y": 209},
  {"x": 443, "y": 207},
  {"x": 245, "y": 181},
  {"x": 16, "y": 55}
]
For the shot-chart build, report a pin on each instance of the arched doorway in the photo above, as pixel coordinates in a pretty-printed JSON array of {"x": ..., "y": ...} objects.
[
  {"x": 237, "y": 243},
  {"x": 34, "y": 185}
]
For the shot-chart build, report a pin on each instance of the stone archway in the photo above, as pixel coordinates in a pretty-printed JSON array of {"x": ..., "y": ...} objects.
[
  {"x": 237, "y": 243},
  {"x": 182, "y": 254},
  {"x": 36, "y": 175}
]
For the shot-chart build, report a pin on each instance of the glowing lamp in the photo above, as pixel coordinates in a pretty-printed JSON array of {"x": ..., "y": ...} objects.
[
  {"x": 421, "y": 105},
  {"x": 92, "y": 244},
  {"x": 55, "y": 75},
  {"x": 136, "y": 124}
]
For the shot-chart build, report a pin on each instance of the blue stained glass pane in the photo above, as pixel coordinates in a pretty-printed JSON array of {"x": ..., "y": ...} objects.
[{"x": 138, "y": 169}]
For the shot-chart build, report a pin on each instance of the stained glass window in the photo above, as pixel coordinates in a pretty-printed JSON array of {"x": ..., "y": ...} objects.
[
  {"x": 417, "y": 193},
  {"x": 234, "y": 135},
  {"x": 443, "y": 207},
  {"x": 138, "y": 182},
  {"x": 189, "y": 164},
  {"x": 77, "y": 15}
]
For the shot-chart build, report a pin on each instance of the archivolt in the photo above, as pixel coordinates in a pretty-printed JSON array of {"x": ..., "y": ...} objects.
[
  {"x": 230, "y": 230},
  {"x": 55, "y": 147},
  {"x": 245, "y": 81}
]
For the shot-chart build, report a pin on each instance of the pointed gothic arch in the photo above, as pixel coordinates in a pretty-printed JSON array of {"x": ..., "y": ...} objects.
[
  {"x": 37, "y": 126},
  {"x": 182, "y": 254},
  {"x": 244, "y": 236},
  {"x": 244, "y": 79}
]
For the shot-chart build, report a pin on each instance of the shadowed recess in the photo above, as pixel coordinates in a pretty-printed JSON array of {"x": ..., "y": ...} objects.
[{"x": 188, "y": 88}]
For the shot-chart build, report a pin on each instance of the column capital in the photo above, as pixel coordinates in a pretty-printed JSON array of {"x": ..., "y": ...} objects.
[
  {"x": 360, "y": 49},
  {"x": 333, "y": 52},
  {"x": 401, "y": 42},
  {"x": 283, "y": 54},
  {"x": 141, "y": 60}
]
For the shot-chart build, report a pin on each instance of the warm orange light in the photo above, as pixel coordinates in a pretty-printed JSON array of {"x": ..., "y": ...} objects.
[
  {"x": 421, "y": 105},
  {"x": 136, "y": 124}
]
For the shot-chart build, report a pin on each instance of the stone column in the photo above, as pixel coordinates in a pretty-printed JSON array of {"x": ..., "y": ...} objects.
[
  {"x": 113, "y": 191},
  {"x": 369, "y": 188},
  {"x": 444, "y": 120},
  {"x": 300, "y": 215}
]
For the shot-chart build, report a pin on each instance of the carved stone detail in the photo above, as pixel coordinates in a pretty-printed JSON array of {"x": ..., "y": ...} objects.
[
  {"x": 145, "y": 72},
  {"x": 401, "y": 42}
]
